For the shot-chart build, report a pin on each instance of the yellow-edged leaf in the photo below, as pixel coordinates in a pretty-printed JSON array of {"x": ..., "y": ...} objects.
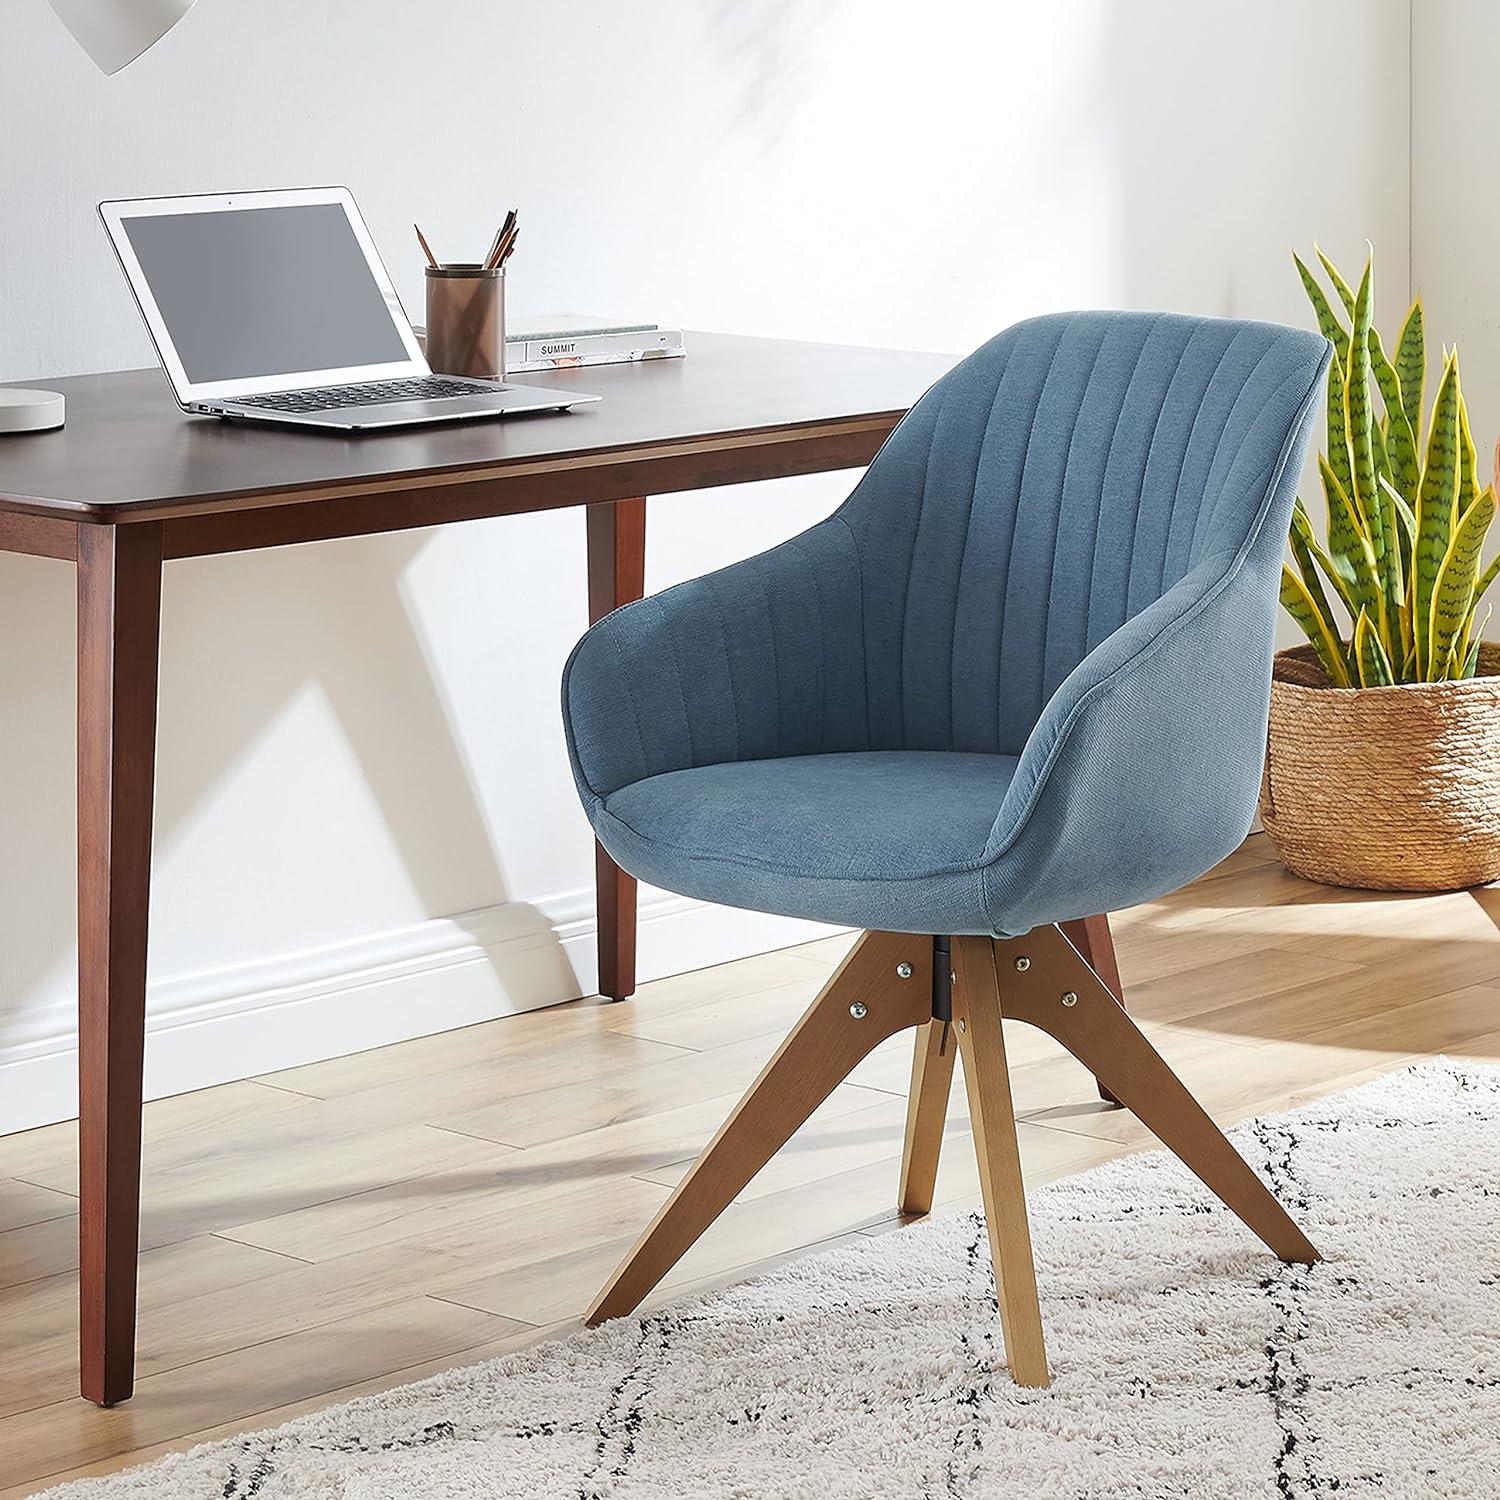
[
  {"x": 1486, "y": 579},
  {"x": 1382, "y": 457},
  {"x": 1453, "y": 598},
  {"x": 1436, "y": 502},
  {"x": 1411, "y": 367},
  {"x": 1358, "y": 413},
  {"x": 1470, "y": 664},
  {"x": 1338, "y": 431},
  {"x": 1357, "y": 562},
  {"x": 1378, "y": 514},
  {"x": 1371, "y": 661},
  {"x": 1304, "y": 540},
  {"x": 1400, "y": 441},
  {"x": 1344, "y": 291},
  {"x": 1406, "y": 532},
  {"x": 1299, "y": 605},
  {"x": 1468, "y": 459},
  {"x": 1330, "y": 327},
  {"x": 1406, "y": 516}
]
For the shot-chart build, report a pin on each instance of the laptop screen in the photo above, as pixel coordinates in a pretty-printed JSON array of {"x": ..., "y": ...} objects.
[{"x": 256, "y": 292}]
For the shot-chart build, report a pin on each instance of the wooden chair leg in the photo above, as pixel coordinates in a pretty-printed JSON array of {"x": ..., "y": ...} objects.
[
  {"x": 1091, "y": 937},
  {"x": 976, "y": 1019},
  {"x": 1059, "y": 992},
  {"x": 882, "y": 987},
  {"x": 926, "y": 1114}
]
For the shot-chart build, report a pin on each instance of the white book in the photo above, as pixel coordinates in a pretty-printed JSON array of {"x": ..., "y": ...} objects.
[
  {"x": 563, "y": 340},
  {"x": 563, "y": 325}
]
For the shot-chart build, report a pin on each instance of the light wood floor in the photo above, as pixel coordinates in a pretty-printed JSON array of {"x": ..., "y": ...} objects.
[{"x": 340, "y": 1228}]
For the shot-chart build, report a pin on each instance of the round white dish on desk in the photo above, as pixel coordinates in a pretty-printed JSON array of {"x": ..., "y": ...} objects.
[{"x": 30, "y": 411}]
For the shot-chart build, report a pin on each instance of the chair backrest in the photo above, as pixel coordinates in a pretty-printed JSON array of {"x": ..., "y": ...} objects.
[{"x": 1052, "y": 486}]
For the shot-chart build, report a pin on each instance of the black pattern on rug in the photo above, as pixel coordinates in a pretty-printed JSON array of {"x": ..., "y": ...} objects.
[
  {"x": 978, "y": 1369},
  {"x": 620, "y": 1422},
  {"x": 1287, "y": 1382}
]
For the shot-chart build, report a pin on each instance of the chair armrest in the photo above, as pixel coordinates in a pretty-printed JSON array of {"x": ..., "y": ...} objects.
[
  {"x": 1144, "y": 768},
  {"x": 762, "y": 658}
]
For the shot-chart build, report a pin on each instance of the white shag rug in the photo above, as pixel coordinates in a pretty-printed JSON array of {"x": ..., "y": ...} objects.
[{"x": 1187, "y": 1361}]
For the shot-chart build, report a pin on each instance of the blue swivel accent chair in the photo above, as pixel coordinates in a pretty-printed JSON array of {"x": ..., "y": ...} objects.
[{"x": 1020, "y": 677}]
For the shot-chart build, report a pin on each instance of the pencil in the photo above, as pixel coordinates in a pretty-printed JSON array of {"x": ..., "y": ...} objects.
[
  {"x": 432, "y": 260},
  {"x": 506, "y": 246},
  {"x": 497, "y": 245}
]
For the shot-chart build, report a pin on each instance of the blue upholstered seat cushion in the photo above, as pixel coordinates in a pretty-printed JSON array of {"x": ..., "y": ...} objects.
[{"x": 847, "y": 838}]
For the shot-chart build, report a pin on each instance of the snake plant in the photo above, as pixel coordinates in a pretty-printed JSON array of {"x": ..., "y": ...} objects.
[{"x": 1405, "y": 517}]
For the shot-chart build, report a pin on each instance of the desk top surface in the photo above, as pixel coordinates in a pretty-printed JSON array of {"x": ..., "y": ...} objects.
[{"x": 126, "y": 443}]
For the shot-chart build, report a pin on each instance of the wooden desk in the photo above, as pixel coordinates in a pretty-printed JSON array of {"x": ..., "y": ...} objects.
[{"x": 131, "y": 482}]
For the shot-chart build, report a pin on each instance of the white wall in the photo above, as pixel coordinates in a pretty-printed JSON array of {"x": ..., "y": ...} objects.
[
  {"x": 1455, "y": 210},
  {"x": 360, "y": 740}
]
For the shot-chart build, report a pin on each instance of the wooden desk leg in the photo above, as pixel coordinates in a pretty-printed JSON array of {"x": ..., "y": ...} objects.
[
  {"x": 1090, "y": 936},
  {"x": 617, "y": 575},
  {"x": 119, "y": 607}
]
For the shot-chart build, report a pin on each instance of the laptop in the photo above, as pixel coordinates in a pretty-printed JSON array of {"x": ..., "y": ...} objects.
[{"x": 275, "y": 307}]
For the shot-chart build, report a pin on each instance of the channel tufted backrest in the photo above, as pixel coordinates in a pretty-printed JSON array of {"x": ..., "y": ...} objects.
[{"x": 1051, "y": 487}]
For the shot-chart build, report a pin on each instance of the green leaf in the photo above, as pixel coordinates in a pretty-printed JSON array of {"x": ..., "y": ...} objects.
[
  {"x": 1374, "y": 664},
  {"x": 1299, "y": 605},
  {"x": 1468, "y": 459},
  {"x": 1348, "y": 543},
  {"x": 1382, "y": 458},
  {"x": 1435, "y": 506},
  {"x": 1453, "y": 598},
  {"x": 1407, "y": 516},
  {"x": 1338, "y": 427},
  {"x": 1345, "y": 294},
  {"x": 1471, "y": 656},
  {"x": 1303, "y": 543},
  {"x": 1305, "y": 538},
  {"x": 1411, "y": 366},
  {"x": 1401, "y": 443},
  {"x": 1486, "y": 579},
  {"x": 1379, "y": 516},
  {"x": 1406, "y": 531},
  {"x": 1328, "y": 324},
  {"x": 1463, "y": 647},
  {"x": 1393, "y": 576},
  {"x": 1358, "y": 413}
]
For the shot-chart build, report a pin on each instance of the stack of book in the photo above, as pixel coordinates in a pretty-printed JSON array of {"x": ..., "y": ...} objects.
[{"x": 567, "y": 339}]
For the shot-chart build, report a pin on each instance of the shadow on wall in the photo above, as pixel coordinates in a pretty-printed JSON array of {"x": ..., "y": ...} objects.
[
  {"x": 326, "y": 618},
  {"x": 769, "y": 44},
  {"x": 36, "y": 775}
]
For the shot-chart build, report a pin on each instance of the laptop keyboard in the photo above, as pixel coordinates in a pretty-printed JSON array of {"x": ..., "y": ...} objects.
[{"x": 373, "y": 393}]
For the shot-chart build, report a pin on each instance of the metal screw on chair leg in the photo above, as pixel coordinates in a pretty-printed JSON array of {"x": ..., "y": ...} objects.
[
  {"x": 1069, "y": 998},
  {"x": 963, "y": 1025},
  {"x": 1022, "y": 964},
  {"x": 903, "y": 971},
  {"x": 859, "y": 1010}
]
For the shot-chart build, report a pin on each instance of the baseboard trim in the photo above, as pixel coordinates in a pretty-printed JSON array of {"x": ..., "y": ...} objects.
[{"x": 234, "y": 1023}]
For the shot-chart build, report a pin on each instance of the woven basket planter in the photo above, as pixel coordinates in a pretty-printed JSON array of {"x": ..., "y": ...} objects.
[{"x": 1394, "y": 788}]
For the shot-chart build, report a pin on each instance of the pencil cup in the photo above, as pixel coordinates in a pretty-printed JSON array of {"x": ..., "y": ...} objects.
[{"x": 466, "y": 321}]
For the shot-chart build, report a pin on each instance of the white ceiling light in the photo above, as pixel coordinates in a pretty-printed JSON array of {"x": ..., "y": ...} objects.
[{"x": 116, "y": 32}]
